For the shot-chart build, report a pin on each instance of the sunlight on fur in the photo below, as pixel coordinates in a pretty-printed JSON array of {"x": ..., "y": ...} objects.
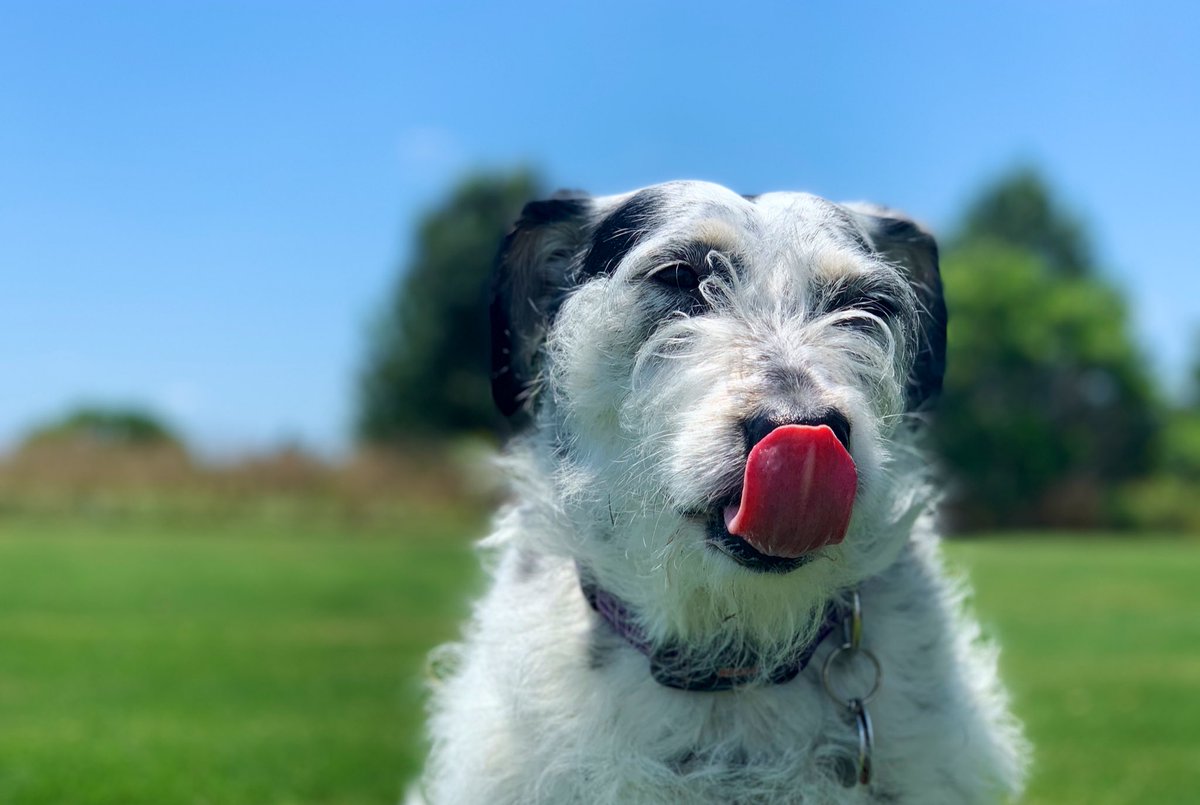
[{"x": 644, "y": 340}]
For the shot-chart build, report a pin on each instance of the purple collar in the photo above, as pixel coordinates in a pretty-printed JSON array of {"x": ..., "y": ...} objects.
[{"x": 670, "y": 666}]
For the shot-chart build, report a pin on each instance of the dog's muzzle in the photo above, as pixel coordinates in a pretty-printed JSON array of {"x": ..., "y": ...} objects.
[{"x": 797, "y": 496}]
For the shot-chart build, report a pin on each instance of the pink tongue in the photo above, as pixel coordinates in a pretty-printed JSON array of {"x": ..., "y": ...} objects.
[{"x": 798, "y": 492}]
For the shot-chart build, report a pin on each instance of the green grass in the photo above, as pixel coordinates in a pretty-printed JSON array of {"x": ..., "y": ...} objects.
[
  {"x": 1101, "y": 649},
  {"x": 156, "y": 662},
  {"x": 143, "y": 664}
]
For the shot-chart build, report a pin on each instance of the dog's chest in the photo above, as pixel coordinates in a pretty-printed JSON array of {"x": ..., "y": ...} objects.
[
  {"x": 647, "y": 743},
  {"x": 541, "y": 710},
  {"x": 600, "y": 717}
]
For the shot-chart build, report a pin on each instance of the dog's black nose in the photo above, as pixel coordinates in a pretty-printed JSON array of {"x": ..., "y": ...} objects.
[{"x": 758, "y": 426}]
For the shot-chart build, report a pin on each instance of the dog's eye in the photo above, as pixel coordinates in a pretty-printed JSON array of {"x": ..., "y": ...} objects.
[
  {"x": 880, "y": 305},
  {"x": 677, "y": 275}
]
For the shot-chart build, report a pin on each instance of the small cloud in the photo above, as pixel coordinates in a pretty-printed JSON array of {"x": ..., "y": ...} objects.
[{"x": 430, "y": 151}]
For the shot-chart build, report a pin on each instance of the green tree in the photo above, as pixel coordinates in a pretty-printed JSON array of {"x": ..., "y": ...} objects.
[
  {"x": 1019, "y": 210},
  {"x": 1180, "y": 444},
  {"x": 115, "y": 426},
  {"x": 1192, "y": 391},
  {"x": 1166, "y": 500},
  {"x": 427, "y": 369},
  {"x": 1047, "y": 405}
]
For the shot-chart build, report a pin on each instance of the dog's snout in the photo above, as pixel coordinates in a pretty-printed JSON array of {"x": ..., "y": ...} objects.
[{"x": 758, "y": 426}]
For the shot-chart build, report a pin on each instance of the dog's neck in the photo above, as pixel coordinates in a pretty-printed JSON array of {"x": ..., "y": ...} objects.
[{"x": 678, "y": 666}]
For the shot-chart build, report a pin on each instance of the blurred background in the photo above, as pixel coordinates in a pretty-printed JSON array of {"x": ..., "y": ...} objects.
[{"x": 244, "y": 409}]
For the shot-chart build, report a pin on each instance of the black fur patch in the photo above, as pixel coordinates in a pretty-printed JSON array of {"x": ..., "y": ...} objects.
[
  {"x": 622, "y": 230},
  {"x": 904, "y": 243},
  {"x": 519, "y": 284}
]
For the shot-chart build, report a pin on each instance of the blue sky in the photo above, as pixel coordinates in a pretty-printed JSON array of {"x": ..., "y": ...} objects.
[{"x": 202, "y": 204}]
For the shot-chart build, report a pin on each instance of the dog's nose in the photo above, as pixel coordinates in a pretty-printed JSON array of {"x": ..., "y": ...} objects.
[{"x": 758, "y": 426}]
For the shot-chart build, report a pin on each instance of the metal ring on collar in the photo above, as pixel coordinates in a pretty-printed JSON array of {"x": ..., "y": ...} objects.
[
  {"x": 866, "y": 740},
  {"x": 852, "y": 624},
  {"x": 847, "y": 701}
]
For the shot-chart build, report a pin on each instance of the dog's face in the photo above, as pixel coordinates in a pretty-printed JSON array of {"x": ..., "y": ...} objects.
[{"x": 656, "y": 339}]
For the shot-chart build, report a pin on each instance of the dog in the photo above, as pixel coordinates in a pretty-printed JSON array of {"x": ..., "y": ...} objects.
[{"x": 719, "y": 577}]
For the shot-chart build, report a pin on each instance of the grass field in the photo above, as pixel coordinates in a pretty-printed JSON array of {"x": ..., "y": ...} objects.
[{"x": 155, "y": 662}]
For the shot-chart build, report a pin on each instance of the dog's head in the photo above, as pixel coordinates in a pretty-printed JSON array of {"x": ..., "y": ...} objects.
[{"x": 714, "y": 384}]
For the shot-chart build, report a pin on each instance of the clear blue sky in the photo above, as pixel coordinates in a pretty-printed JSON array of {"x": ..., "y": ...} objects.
[{"x": 202, "y": 204}]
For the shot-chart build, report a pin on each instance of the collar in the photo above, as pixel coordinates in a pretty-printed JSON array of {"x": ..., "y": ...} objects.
[{"x": 671, "y": 665}]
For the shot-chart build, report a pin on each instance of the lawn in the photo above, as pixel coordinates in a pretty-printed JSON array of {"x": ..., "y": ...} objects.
[
  {"x": 164, "y": 662},
  {"x": 1101, "y": 648},
  {"x": 177, "y": 663}
]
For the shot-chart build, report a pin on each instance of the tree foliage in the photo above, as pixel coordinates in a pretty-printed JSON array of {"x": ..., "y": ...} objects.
[
  {"x": 1192, "y": 391},
  {"x": 1166, "y": 500},
  {"x": 427, "y": 370},
  {"x": 1048, "y": 404},
  {"x": 1019, "y": 210},
  {"x": 1180, "y": 444},
  {"x": 115, "y": 426}
]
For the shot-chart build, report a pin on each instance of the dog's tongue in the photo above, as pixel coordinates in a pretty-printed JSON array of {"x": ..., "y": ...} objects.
[{"x": 798, "y": 492}]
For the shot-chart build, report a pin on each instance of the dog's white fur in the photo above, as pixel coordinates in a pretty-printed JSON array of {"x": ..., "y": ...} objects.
[{"x": 637, "y": 412}]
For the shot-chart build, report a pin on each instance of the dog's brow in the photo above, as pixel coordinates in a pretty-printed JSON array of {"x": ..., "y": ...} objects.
[
  {"x": 718, "y": 234},
  {"x": 844, "y": 261}
]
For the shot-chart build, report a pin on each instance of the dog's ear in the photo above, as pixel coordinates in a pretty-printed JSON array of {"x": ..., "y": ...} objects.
[
  {"x": 529, "y": 281},
  {"x": 905, "y": 244}
]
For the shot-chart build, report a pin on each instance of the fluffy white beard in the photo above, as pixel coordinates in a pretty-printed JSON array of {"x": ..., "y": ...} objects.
[{"x": 624, "y": 444}]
